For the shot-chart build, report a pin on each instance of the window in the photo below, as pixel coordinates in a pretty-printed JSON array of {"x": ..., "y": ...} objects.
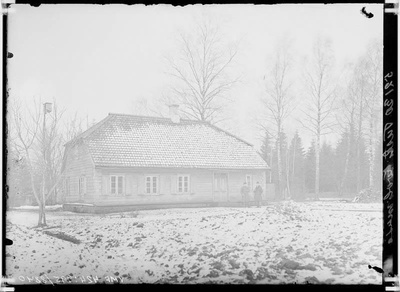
[
  {"x": 183, "y": 183},
  {"x": 117, "y": 184},
  {"x": 220, "y": 182},
  {"x": 249, "y": 181},
  {"x": 82, "y": 185},
  {"x": 151, "y": 184}
]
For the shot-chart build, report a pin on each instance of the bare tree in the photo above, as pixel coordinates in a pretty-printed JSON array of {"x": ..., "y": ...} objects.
[
  {"x": 319, "y": 107},
  {"x": 201, "y": 70},
  {"x": 373, "y": 102},
  {"x": 347, "y": 118},
  {"x": 148, "y": 107},
  {"x": 278, "y": 102},
  {"x": 41, "y": 151},
  {"x": 364, "y": 102},
  {"x": 53, "y": 149},
  {"x": 354, "y": 108},
  {"x": 73, "y": 127},
  {"x": 26, "y": 130}
]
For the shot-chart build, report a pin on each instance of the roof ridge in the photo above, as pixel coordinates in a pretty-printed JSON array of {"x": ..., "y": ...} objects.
[
  {"x": 153, "y": 117},
  {"x": 230, "y": 134},
  {"x": 89, "y": 130},
  {"x": 116, "y": 140},
  {"x": 96, "y": 126},
  {"x": 196, "y": 121}
]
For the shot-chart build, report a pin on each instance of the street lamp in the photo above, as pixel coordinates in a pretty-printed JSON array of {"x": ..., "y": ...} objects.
[{"x": 47, "y": 108}]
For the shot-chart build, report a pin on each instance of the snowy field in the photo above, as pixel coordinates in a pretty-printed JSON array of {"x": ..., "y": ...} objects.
[{"x": 315, "y": 242}]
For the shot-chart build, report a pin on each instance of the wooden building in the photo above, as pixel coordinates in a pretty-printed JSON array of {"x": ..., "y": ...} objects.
[{"x": 128, "y": 160}]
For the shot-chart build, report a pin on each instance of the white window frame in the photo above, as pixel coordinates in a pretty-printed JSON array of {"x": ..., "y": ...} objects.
[
  {"x": 249, "y": 181},
  {"x": 117, "y": 177},
  {"x": 82, "y": 185},
  {"x": 183, "y": 191},
  {"x": 218, "y": 179},
  {"x": 152, "y": 176}
]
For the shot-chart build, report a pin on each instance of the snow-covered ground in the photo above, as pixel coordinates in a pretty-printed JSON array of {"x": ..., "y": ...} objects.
[{"x": 318, "y": 242}]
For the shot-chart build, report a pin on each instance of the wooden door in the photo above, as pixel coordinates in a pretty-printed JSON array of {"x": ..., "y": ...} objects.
[{"x": 220, "y": 187}]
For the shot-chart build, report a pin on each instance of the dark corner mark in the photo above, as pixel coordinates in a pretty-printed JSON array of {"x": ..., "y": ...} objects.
[
  {"x": 35, "y": 3},
  {"x": 389, "y": 154},
  {"x": 379, "y": 270},
  {"x": 367, "y": 14},
  {"x": 4, "y": 153}
]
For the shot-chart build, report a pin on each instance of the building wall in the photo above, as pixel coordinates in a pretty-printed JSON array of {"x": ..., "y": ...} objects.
[
  {"x": 134, "y": 189},
  {"x": 201, "y": 186},
  {"x": 78, "y": 163},
  {"x": 236, "y": 180}
]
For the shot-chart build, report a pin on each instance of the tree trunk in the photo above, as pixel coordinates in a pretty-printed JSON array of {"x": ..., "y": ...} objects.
[
  {"x": 317, "y": 170},
  {"x": 346, "y": 167},
  {"x": 279, "y": 182},
  {"x": 40, "y": 214},
  {"x": 371, "y": 153},
  {"x": 44, "y": 215},
  {"x": 270, "y": 165},
  {"x": 35, "y": 194},
  {"x": 293, "y": 171},
  {"x": 346, "y": 162},
  {"x": 359, "y": 134},
  {"x": 287, "y": 174}
]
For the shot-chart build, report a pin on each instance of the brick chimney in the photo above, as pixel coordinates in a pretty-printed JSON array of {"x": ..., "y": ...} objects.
[{"x": 173, "y": 113}]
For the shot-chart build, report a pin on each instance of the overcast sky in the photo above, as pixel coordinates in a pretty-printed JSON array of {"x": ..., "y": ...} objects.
[{"x": 97, "y": 59}]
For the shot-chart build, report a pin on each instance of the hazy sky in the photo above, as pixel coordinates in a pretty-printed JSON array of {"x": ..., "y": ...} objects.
[{"x": 96, "y": 59}]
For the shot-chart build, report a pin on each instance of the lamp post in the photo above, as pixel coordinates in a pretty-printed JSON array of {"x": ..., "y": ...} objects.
[{"x": 47, "y": 108}]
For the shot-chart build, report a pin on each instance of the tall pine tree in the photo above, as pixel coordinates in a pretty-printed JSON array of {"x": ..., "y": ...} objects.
[
  {"x": 309, "y": 168},
  {"x": 296, "y": 167},
  {"x": 266, "y": 153},
  {"x": 327, "y": 178}
]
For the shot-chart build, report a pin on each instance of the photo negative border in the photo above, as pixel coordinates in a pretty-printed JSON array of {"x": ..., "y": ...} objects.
[
  {"x": 389, "y": 268},
  {"x": 389, "y": 147}
]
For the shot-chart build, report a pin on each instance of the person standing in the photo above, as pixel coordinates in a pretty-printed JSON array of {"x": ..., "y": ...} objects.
[
  {"x": 245, "y": 194},
  {"x": 258, "y": 194}
]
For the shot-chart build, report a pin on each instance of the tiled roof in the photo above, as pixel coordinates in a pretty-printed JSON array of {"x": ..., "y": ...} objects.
[{"x": 138, "y": 141}]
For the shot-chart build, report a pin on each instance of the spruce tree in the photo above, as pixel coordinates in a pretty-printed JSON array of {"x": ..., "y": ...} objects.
[{"x": 296, "y": 167}]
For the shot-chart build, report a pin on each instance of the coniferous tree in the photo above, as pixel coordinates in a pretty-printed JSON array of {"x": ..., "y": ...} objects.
[
  {"x": 278, "y": 102},
  {"x": 309, "y": 168},
  {"x": 296, "y": 167},
  {"x": 327, "y": 178},
  {"x": 281, "y": 189},
  {"x": 364, "y": 165},
  {"x": 319, "y": 112},
  {"x": 346, "y": 163},
  {"x": 283, "y": 148},
  {"x": 266, "y": 151}
]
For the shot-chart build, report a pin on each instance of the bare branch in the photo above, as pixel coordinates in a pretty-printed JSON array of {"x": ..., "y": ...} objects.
[{"x": 201, "y": 70}]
